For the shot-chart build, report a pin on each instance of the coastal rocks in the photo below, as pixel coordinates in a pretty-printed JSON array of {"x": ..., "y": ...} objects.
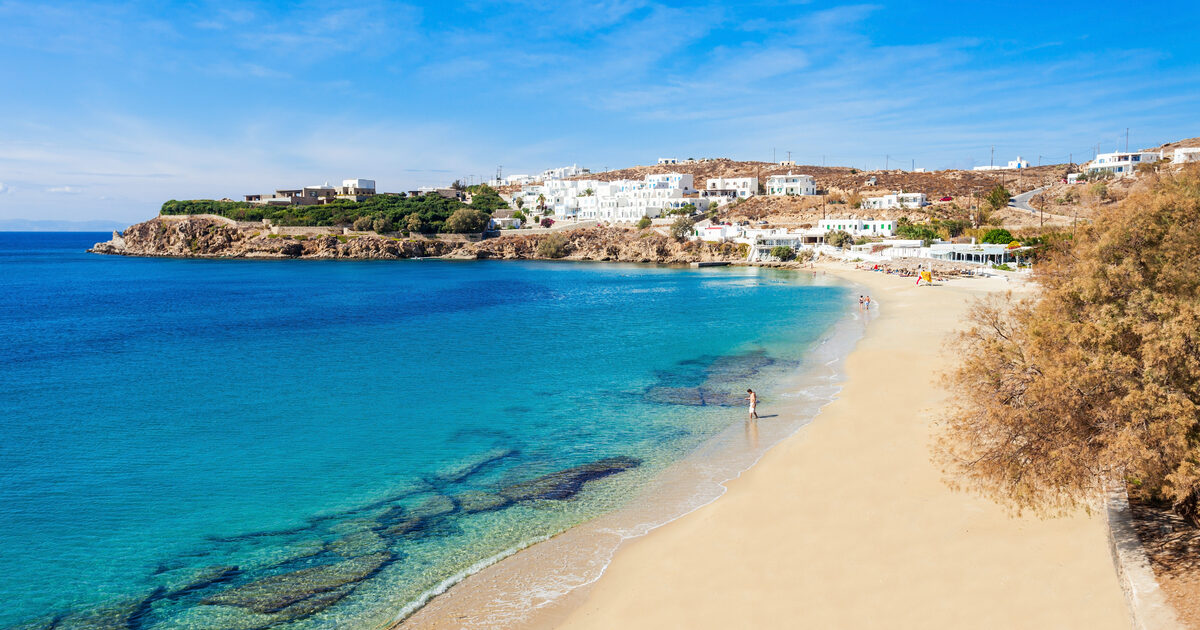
[
  {"x": 215, "y": 237},
  {"x": 359, "y": 544},
  {"x": 121, "y": 615},
  {"x": 203, "y": 237},
  {"x": 604, "y": 243},
  {"x": 474, "y": 502},
  {"x": 203, "y": 578},
  {"x": 277, "y": 593},
  {"x": 565, "y": 484}
]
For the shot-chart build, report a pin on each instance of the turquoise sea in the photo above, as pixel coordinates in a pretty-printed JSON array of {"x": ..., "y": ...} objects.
[{"x": 317, "y": 444}]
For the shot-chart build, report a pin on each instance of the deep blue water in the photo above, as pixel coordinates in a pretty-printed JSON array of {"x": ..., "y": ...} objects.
[{"x": 164, "y": 417}]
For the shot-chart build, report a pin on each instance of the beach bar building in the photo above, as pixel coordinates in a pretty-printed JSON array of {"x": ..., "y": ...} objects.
[{"x": 982, "y": 254}]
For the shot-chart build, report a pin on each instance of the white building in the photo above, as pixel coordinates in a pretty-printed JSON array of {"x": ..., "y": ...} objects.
[
  {"x": 895, "y": 201},
  {"x": 1013, "y": 164},
  {"x": 616, "y": 201},
  {"x": 790, "y": 184},
  {"x": 739, "y": 186},
  {"x": 663, "y": 161},
  {"x": 564, "y": 172},
  {"x": 1186, "y": 155},
  {"x": 1121, "y": 164},
  {"x": 859, "y": 227}
]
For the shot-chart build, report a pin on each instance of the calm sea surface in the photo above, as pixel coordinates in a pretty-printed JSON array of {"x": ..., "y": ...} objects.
[{"x": 314, "y": 444}]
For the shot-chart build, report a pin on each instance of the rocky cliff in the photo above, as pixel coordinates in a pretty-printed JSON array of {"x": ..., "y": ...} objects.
[
  {"x": 197, "y": 237},
  {"x": 606, "y": 244}
]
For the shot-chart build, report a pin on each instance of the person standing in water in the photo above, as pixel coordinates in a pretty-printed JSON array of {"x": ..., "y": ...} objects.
[{"x": 753, "y": 398}]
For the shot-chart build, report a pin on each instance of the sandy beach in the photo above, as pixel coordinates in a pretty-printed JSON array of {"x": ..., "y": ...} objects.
[{"x": 846, "y": 524}]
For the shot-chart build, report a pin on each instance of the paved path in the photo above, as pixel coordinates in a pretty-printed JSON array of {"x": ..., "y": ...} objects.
[{"x": 1021, "y": 201}]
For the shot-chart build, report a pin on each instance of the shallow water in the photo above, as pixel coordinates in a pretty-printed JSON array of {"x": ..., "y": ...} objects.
[{"x": 346, "y": 434}]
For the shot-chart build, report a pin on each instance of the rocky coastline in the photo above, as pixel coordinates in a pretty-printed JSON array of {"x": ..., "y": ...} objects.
[{"x": 205, "y": 237}]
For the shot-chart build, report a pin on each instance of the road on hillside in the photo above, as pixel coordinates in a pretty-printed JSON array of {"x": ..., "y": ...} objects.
[{"x": 1021, "y": 201}]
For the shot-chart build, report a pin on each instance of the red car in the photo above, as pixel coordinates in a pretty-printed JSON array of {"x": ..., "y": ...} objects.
[{"x": 946, "y": 199}]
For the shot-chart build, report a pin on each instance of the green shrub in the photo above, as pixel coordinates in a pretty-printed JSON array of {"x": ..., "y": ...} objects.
[
  {"x": 783, "y": 252},
  {"x": 362, "y": 224},
  {"x": 643, "y": 223},
  {"x": 467, "y": 221},
  {"x": 681, "y": 229},
  {"x": 998, "y": 236},
  {"x": 838, "y": 238},
  {"x": 553, "y": 246}
]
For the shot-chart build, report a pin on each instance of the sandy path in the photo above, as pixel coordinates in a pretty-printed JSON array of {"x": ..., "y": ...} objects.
[{"x": 848, "y": 525}]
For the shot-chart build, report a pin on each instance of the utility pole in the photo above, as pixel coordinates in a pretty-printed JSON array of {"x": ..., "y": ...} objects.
[
  {"x": 1039, "y": 160},
  {"x": 914, "y": 165},
  {"x": 773, "y": 156},
  {"x": 992, "y": 160},
  {"x": 822, "y": 160},
  {"x": 789, "y": 156},
  {"x": 1127, "y": 139},
  {"x": 886, "y": 161}
]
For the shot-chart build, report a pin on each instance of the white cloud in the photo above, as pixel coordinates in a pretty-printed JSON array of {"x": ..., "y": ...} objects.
[
  {"x": 4, "y": 189},
  {"x": 64, "y": 190}
]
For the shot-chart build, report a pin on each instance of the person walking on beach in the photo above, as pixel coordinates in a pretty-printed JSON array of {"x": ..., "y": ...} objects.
[
  {"x": 860, "y": 302},
  {"x": 868, "y": 302},
  {"x": 753, "y": 398}
]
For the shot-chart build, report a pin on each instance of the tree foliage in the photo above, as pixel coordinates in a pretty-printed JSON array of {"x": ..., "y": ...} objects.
[
  {"x": 485, "y": 198},
  {"x": 998, "y": 236},
  {"x": 783, "y": 252},
  {"x": 467, "y": 221},
  {"x": 681, "y": 229},
  {"x": 643, "y": 223},
  {"x": 997, "y": 198},
  {"x": 433, "y": 211},
  {"x": 1097, "y": 379},
  {"x": 838, "y": 238}
]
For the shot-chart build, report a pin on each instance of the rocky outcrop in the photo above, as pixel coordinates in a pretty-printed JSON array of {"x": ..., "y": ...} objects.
[
  {"x": 199, "y": 237},
  {"x": 320, "y": 587},
  {"x": 564, "y": 484},
  {"x": 202, "y": 237},
  {"x": 605, "y": 244}
]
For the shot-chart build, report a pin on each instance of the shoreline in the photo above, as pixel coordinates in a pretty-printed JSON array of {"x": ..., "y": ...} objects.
[
  {"x": 554, "y": 571},
  {"x": 787, "y": 545}
]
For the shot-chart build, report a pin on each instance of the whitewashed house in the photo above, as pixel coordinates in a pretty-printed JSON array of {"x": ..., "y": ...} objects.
[
  {"x": 1012, "y": 165},
  {"x": 615, "y": 201},
  {"x": 859, "y": 227},
  {"x": 662, "y": 161},
  {"x": 1121, "y": 164},
  {"x": 786, "y": 185},
  {"x": 1186, "y": 155},
  {"x": 896, "y": 201},
  {"x": 742, "y": 187}
]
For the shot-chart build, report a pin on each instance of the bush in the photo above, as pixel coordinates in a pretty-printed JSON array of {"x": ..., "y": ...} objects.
[
  {"x": 838, "y": 238},
  {"x": 382, "y": 225},
  {"x": 681, "y": 229},
  {"x": 783, "y": 252},
  {"x": 547, "y": 222},
  {"x": 1100, "y": 189},
  {"x": 362, "y": 224},
  {"x": 467, "y": 221},
  {"x": 998, "y": 236},
  {"x": 1095, "y": 383},
  {"x": 997, "y": 198},
  {"x": 520, "y": 216},
  {"x": 553, "y": 246},
  {"x": 643, "y": 223},
  {"x": 416, "y": 224}
]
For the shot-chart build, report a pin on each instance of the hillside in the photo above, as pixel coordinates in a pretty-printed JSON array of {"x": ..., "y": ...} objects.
[
  {"x": 1178, "y": 144},
  {"x": 840, "y": 179}
]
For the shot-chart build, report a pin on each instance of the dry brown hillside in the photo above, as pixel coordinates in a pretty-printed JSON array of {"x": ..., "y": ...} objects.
[
  {"x": 840, "y": 179},
  {"x": 1178, "y": 144}
]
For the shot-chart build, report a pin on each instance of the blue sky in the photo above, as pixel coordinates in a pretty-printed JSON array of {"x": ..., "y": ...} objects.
[{"x": 109, "y": 109}]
